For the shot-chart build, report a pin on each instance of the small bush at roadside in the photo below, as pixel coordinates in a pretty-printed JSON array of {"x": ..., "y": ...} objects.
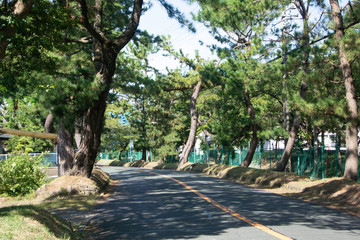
[
  {"x": 167, "y": 166},
  {"x": 117, "y": 163},
  {"x": 21, "y": 174}
]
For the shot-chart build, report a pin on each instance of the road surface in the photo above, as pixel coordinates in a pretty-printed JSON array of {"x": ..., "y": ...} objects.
[{"x": 153, "y": 204}]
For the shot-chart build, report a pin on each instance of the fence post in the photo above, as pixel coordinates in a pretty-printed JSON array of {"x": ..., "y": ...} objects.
[
  {"x": 57, "y": 159},
  {"x": 207, "y": 154},
  {"x": 270, "y": 158},
  {"x": 240, "y": 158},
  {"x": 261, "y": 157},
  {"x": 322, "y": 161},
  {"x": 298, "y": 172},
  {"x": 336, "y": 156}
]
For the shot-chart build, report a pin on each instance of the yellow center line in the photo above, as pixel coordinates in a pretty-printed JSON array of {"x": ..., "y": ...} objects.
[{"x": 228, "y": 210}]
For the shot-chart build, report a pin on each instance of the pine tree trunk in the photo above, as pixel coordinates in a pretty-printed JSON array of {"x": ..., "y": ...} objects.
[
  {"x": 303, "y": 88},
  {"x": 92, "y": 129},
  {"x": 143, "y": 156},
  {"x": 65, "y": 150},
  {"x": 193, "y": 125},
  {"x": 219, "y": 156},
  {"x": 49, "y": 127},
  {"x": 93, "y": 120},
  {"x": 351, "y": 164},
  {"x": 338, "y": 146},
  {"x": 254, "y": 140},
  {"x": 105, "y": 52},
  {"x": 290, "y": 144}
]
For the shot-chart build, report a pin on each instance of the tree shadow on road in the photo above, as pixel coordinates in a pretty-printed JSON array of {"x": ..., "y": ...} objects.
[{"x": 149, "y": 206}]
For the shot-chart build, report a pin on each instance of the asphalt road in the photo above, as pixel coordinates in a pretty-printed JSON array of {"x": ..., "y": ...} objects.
[{"x": 180, "y": 205}]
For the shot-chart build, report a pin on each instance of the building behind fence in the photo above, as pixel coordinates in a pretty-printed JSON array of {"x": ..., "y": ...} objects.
[{"x": 309, "y": 162}]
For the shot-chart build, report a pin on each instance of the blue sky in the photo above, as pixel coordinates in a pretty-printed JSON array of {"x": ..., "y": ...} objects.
[{"x": 156, "y": 21}]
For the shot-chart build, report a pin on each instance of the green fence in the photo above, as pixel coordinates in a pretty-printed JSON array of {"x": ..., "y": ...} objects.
[
  {"x": 49, "y": 159},
  {"x": 310, "y": 162},
  {"x": 130, "y": 156},
  {"x": 222, "y": 156},
  {"x": 317, "y": 163}
]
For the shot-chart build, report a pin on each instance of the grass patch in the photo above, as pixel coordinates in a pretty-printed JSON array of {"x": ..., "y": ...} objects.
[
  {"x": 76, "y": 202},
  {"x": 33, "y": 222},
  {"x": 28, "y": 217}
]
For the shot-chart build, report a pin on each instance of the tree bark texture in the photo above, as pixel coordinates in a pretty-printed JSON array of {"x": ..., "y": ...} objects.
[
  {"x": 143, "y": 156},
  {"x": 49, "y": 128},
  {"x": 254, "y": 139},
  {"x": 93, "y": 123},
  {"x": 105, "y": 54},
  {"x": 351, "y": 164},
  {"x": 193, "y": 125},
  {"x": 303, "y": 10},
  {"x": 65, "y": 150}
]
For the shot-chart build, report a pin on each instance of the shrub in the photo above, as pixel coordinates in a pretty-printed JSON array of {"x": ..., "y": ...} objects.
[
  {"x": 21, "y": 174},
  {"x": 117, "y": 163},
  {"x": 167, "y": 166}
]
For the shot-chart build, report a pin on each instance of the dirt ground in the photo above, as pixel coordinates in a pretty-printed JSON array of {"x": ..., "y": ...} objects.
[{"x": 337, "y": 193}]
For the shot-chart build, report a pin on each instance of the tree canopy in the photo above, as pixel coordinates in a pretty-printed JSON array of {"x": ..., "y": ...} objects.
[{"x": 280, "y": 72}]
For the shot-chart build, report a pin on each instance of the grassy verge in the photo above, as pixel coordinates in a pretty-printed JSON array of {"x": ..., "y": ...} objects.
[
  {"x": 336, "y": 193},
  {"x": 53, "y": 213},
  {"x": 33, "y": 222}
]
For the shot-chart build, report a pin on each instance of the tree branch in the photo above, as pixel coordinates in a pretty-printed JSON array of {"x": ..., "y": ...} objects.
[
  {"x": 83, "y": 40},
  {"x": 84, "y": 20},
  {"x": 23, "y": 8},
  {"x": 131, "y": 27},
  {"x": 317, "y": 21},
  {"x": 207, "y": 133},
  {"x": 171, "y": 89}
]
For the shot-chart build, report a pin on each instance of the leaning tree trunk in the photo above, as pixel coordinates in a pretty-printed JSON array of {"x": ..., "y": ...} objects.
[
  {"x": 303, "y": 88},
  {"x": 144, "y": 135},
  {"x": 254, "y": 140},
  {"x": 193, "y": 125},
  {"x": 49, "y": 127},
  {"x": 93, "y": 125},
  {"x": 105, "y": 52},
  {"x": 351, "y": 164}
]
